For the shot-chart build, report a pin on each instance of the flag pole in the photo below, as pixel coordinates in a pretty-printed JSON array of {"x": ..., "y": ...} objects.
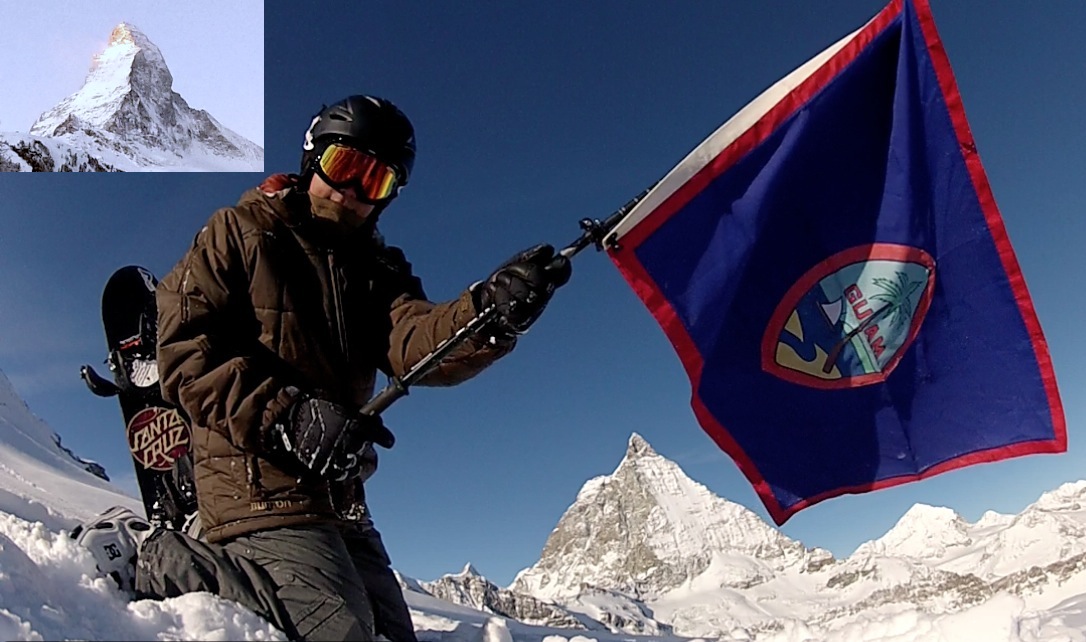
[{"x": 593, "y": 233}]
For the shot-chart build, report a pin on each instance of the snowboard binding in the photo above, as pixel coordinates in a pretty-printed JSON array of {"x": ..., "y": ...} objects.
[{"x": 158, "y": 435}]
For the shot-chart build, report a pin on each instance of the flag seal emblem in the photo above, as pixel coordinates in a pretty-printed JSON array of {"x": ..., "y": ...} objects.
[{"x": 849, "y": 320}]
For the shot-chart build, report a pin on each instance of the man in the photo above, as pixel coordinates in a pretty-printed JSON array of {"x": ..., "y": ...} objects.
[{"x": 271, "y": 331}]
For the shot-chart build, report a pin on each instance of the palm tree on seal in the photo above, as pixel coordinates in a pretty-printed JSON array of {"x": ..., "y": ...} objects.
[{"x": 897, "y": 295}]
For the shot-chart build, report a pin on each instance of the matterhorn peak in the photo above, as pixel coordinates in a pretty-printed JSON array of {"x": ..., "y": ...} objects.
[
  {"x": 130, "y": 69},
  {"x": 648, "y": 528},
  {"x": 124, "y": 33},
  {"x": 128, "y": 37},
  {"x": 132, "y": 51},
  {"x": 128, "y": 114},
  {"x": 638, "y": 447}
]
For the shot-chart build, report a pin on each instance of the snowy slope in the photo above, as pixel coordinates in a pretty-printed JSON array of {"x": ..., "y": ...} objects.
[
  {"x": 128, "y": 117},
  {"x": 30, "y": 153},
  {"x": 685, "y": 565},
  {"x": 49, "y": 587},
  {"x": 41, "y": 480}
]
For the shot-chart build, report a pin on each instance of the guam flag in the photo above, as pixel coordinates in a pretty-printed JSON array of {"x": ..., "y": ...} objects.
[{"x": 833, "y": 271}]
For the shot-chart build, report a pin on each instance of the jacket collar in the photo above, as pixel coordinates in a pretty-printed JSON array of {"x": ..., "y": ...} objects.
[{"x": 292, "y": 205}]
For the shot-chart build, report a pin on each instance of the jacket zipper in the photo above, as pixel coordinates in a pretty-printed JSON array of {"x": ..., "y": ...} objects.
[{"x": 337, "y": 304}]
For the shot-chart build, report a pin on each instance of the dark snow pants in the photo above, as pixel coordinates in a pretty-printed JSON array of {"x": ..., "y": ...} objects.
[
  {"x": 315, "y": 582},
  {"x": 171, "y": 563}
]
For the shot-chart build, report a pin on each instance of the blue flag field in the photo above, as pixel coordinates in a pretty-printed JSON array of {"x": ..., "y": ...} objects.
[{"x": 832, "y": 269}]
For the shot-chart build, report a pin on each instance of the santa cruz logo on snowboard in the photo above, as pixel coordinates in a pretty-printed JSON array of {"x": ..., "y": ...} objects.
[
  {"x": 157, "y": 437},
  {"x": 849, "y": 320}
]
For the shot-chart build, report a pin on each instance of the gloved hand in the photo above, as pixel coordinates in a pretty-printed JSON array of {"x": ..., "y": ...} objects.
[
  {"x": 329, "y": 438},
  {"x": 523, "y": 285}
]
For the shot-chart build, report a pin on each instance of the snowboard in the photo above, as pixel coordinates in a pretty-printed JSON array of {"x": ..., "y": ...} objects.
[{"x": 158, "y": 435}]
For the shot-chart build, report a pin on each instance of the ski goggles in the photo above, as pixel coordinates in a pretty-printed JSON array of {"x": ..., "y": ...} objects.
[{"x": 343, "y": 166}]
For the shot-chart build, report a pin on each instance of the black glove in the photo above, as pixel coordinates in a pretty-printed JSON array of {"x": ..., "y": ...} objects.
[
  {"x": 329, "y": 438},
  {"x": 523, "y": 285}
]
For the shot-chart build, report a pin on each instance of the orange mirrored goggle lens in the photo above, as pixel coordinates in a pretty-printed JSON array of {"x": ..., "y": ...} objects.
[{"x": 345, "y": 166}]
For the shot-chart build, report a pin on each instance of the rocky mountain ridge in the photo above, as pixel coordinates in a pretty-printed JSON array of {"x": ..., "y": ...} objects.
[
  {"x": 647, "y": 529},
  {"x": 28, "y": 153},
  {"x": 646, "y": 550},
  {"x": 469, "y": 588}
]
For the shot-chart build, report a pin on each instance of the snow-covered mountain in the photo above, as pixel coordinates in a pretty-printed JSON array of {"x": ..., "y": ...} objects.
[
  {"x": 469, "y": 588},
  {"x": 648, "y": 528},
  {"x": 644, "y": 553},
  {"x": 646, "y": 545},
  {"x": 127, "y": 117},
  {"x": 1048, "y": 534}
]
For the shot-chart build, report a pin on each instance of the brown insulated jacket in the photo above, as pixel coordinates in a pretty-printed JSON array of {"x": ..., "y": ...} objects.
[{"x": 266, "y": 300}]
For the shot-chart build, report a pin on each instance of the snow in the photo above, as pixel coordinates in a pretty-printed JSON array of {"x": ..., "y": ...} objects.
[
  {"x": 1050, "y": 530},
  {"x": 924, "y": 532},
  {"x": 1026, "y": 578},
  {"x": 50, "y": 589}
]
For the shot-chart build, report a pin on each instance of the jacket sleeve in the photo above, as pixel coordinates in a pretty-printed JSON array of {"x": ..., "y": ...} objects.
[
  {"x": 419, "y": 326},
  {"x": 211, "y": 363}
]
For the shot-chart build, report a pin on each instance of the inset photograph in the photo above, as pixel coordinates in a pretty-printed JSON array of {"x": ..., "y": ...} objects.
[{"x": 132, "y": 87}]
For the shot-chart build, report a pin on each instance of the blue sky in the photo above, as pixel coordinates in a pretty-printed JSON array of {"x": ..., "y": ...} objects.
[
  {"x": 215, "y": 51},
  {"x": 531, "y": 116}
]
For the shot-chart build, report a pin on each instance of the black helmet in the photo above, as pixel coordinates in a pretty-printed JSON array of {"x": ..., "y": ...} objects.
[{"x": 369, "y": 123}]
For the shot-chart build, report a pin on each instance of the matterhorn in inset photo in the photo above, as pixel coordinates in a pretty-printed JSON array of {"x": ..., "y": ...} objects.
[{"x": 127, "y": 118}]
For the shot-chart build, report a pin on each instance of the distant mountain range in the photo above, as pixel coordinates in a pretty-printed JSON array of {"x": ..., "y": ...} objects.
[
  {"x": 647, "y": 550},
  {"x": 127, "y": 117},
  {"x": 646, "y": 553}
]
